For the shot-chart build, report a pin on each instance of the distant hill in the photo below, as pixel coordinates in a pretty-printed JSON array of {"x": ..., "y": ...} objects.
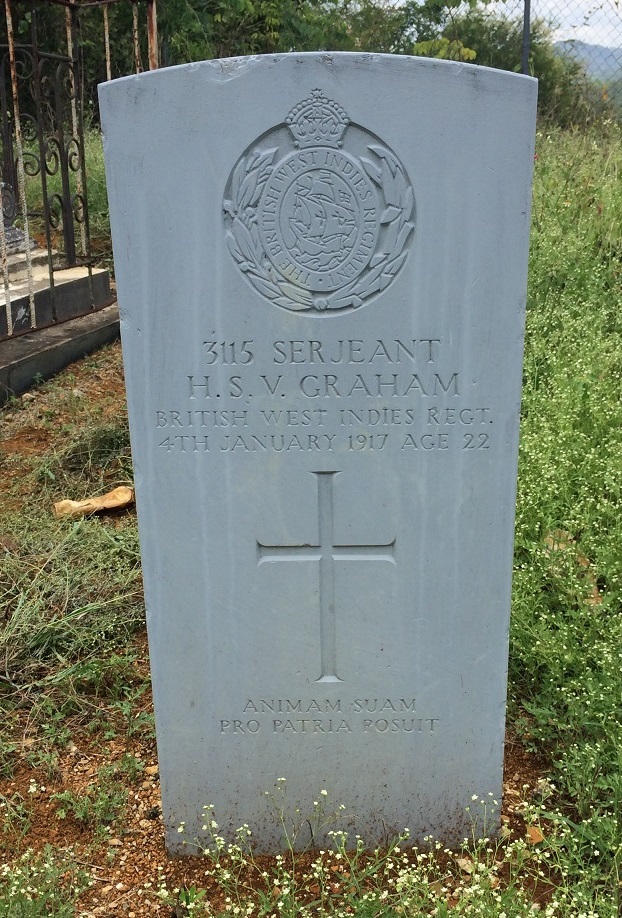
[{"x": 601, "y": 63}]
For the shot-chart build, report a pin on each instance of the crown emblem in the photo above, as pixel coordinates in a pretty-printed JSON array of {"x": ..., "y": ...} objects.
[
  {"x": 317, "y": 120},
  {"x": 315, "y": 227}
]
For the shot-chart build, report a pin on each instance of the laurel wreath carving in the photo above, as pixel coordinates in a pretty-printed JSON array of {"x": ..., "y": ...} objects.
[{"x": 243, "y": 240}]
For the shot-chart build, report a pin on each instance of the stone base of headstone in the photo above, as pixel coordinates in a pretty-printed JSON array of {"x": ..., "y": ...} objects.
[{"x": 16, "y": 241}]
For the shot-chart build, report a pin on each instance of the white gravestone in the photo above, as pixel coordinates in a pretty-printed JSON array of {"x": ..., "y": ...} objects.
[{"x": 321, "y": 264}]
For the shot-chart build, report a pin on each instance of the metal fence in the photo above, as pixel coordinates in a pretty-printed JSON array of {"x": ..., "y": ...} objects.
[
  {"x": 588, "y": 31},
  {"x": 46, "y": 93},
  {"x": 46, "y": 261}
]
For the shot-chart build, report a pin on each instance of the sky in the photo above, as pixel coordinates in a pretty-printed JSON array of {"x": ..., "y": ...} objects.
[{"x": 598, "y": 22}]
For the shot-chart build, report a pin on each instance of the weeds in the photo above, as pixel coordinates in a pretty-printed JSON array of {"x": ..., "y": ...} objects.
[
  {"x": 15, "y": 815},
  {"x": 39, "y": 885},
  {"x": 486, "y": 878},
  {"x": 71, "y": 604},
  {"x": 96, "y": 807},
  {"x": 94, "y": 456},
  {"x": 70, "y": 591},
  {"x": 99, "y": 221},
  {"x": 566, "y": 651}
]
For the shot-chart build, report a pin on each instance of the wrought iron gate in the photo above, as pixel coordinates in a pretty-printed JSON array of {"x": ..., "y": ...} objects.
[{"x": 45, "y": 215}]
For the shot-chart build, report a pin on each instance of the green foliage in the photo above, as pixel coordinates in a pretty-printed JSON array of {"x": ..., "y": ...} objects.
[
  {"x": 8, "y": 757},
  {"x": 191, "y": 30},
  {"x": 343, "y": 878},
  {"x": 377, "y": 26},
  {"x": 100, "y": 805},
  {"x": 449, "y": 49},
  {"x": 565, "y": 94},
  {"x": 40, "y": 885},
  {"x": 566, "y": 657},
  {"x": 67, "y": 600},
  {"x": 70, "y": 601},
  {"x": 137, "y": 720},
  {"x": 99, "y": 219},
  {"x": 128, "y": 766},
  {"x": 92, "y": 457},
  {"x": 15, "y": 817}
]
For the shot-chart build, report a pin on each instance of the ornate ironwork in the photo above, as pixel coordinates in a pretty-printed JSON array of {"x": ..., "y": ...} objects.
[
  {"x": 8, "y": 176},
  {"x": 42, "y": 144},
  {"x": 53, "y": 148},
  {"x": 9, "y": 204}
]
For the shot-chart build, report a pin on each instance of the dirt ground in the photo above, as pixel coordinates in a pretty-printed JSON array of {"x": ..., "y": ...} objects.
[{"x": 127, "y": 865}]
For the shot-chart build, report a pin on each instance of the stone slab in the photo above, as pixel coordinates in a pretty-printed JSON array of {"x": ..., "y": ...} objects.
[
  {"x": 322, "y": 317},
  {"x": 74, "y": 294},
  {"x": 44, "y": 352},
  {"x": 17, "y": 264}
]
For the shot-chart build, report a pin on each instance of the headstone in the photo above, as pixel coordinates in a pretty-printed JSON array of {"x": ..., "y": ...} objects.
[
  {"x": 14, "y": 237},
  {"x": 321, "y": 264}
]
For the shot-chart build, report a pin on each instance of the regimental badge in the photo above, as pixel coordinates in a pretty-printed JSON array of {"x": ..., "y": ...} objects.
[{"x": 319, "y": 213}]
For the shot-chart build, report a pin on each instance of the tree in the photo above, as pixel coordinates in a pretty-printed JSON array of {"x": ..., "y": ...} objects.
[
  {"x": 565, "y": 93},
  {"x": 384, "y": 26},
  {"x": 191, "y": 30},
  {"x": 200, "y": 29},
  {"x": 195, "y": 29}
]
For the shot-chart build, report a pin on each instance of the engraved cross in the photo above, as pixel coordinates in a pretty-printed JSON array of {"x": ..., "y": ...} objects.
[{"x": 327, "y": 553}]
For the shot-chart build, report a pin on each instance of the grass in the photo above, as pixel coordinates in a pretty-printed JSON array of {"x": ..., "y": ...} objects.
[
  {"x": 39, "y": 885},
  {"x": 99, "y": 223},
  {"x": 71, "y": 607},
  {"x": 566, "y": 655}
]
